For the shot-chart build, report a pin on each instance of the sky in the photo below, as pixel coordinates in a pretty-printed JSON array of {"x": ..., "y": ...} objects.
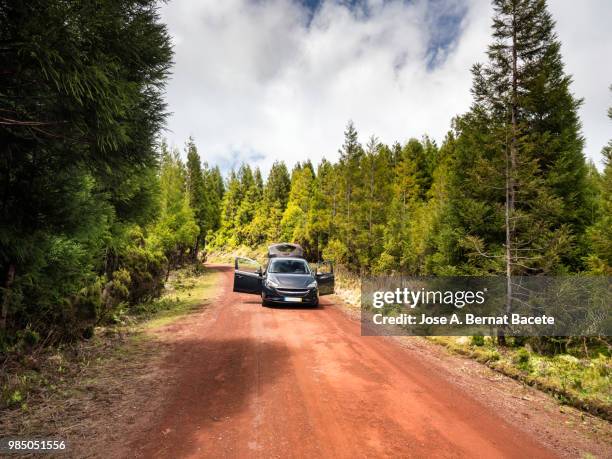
[{"x": 256, "y": 81}]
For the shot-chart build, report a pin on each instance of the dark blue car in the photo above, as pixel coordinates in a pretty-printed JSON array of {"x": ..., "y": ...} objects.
[{"x": 286, "y": 279}]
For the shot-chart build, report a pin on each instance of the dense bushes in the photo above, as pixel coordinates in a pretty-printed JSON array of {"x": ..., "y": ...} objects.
[{"x": 81, "y": 105}]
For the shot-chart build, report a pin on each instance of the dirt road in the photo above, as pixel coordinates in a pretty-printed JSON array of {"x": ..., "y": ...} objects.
[{"x": 290, "y": 382}]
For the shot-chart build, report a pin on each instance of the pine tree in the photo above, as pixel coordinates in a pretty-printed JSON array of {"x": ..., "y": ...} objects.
[
  {"x": 265, "y": 226},
  {"x": 226, "y": 236},
  {"x": 415, "y": 155},
  {"x": 405, "y": 194},
  {"x": 375, "y": 192},
  {"x": 518, "y": 185},
  {"x": 215, "y": 189},
  {"x": 176, "y": 229},
  {"x": 278, "y": 185},
  {"x": 349, "y": 167},
  {"x": 600, "y": 233},
  {"x": 198, "y": 196},
  {"x": 320, "y": 215},
  {"x": 517, "y": 189},
  {"x": 259, "y": 185},
  {"x": 294, "y": 226},
  {"x": 250, "y": 198}
]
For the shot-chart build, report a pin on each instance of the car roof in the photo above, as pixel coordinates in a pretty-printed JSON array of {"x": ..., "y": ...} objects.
[{"x": 288, "y": 258}]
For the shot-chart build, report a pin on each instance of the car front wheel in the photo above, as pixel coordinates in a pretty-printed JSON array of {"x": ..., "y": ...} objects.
[{"x": 264, "y": 302}]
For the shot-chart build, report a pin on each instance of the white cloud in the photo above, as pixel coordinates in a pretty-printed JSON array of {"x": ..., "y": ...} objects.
[{"x": 254, "y": 81}]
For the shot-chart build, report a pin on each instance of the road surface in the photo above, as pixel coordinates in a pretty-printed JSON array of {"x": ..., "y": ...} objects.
[{"x": 291, "y": 382}]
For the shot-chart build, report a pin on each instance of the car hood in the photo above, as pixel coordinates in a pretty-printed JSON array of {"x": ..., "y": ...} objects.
[{"x": 291, "y": 280}]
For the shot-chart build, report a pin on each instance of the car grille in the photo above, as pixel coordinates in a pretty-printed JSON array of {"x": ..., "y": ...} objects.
[{"x": 293, "y": 292}]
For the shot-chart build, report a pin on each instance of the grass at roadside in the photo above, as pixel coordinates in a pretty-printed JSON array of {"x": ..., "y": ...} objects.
[
  {"x": 45, "y": 389},
  {"x": 185, "y": 292},
  {"x": 584, "y": 383}
]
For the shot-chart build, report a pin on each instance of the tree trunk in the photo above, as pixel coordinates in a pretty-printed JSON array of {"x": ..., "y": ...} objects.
[
  {"x": 196, "y": 249},
  {"x": 511, "y": 158},
  {"x": 10, "y": 277},
  {"x": 371, "y": 205}
]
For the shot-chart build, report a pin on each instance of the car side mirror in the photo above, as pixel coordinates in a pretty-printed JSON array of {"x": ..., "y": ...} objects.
[{"x": 259, "y": 271}]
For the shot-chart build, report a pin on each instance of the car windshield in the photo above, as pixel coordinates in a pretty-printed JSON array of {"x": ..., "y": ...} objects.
[{"x": 289, "y": 267}]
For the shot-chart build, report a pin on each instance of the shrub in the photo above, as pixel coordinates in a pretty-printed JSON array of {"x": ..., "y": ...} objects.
[
  {"x": 523, "y": 360},
  {"x": 522, "y": 356},
  {"x": 116, "y": 291},
  {"x": 477, "y": 340},
  {"x": 147, "y": 270}
]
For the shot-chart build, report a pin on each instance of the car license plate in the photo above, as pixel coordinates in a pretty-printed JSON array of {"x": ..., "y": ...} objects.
[{"x": 292, "y": 299}]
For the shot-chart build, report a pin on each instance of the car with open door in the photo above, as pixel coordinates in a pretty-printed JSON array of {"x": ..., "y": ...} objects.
[{"x": 287, "y": 278}]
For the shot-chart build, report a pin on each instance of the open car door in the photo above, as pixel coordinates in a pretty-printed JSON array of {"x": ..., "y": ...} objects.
[
  {"x": 247, "y": 276},
  {"x": 325, "y": 277}
]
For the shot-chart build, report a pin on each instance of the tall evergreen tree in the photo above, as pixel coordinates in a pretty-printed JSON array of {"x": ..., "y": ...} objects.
[
  {"x": 294, "y": 222},
  {"x": 349, "y": 167},
  {"x": 215, "y": 190},
  {"x": 198, "y": 196},
  {"x": 229, "y": 210},
  {"x": 278, "y": 185},
  {"x": 320, "y": 221},
  {"x": 250, "y": 194},
  {"x": 405, "y": 194},
  {"x": 177, "y": 227},
  {"x": 80, "y": 108},
  {"x": 518, "y": 186},
  {"x": 265, "y": 225},
  {"x": 259, "y": 185},
  {"x": 600, "y": 234}
]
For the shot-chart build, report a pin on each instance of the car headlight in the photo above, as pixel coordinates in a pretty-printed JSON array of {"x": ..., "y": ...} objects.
[
  {"x": 271, "y": 283},
  {"x": 313, "y": 284}
]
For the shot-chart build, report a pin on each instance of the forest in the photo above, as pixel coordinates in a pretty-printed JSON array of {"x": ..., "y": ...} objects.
[{"x": 97, "y": 209}]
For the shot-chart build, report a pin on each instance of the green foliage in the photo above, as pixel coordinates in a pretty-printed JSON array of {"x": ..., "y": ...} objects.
[
  {"x": 522, "y": 356},
  {"x": 477, "y": 340},
  {"x": 81, "y": 105},
  {"x": 198, "y": 197},
  {"x": 600, "y": 232},
  {"x": 582, "y": 382},
  {"x": 176, "y": 229},
  {"x": 522, "y": 134}
]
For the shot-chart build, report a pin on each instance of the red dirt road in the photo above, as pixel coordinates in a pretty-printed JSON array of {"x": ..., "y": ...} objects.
[{"x": 290, "y": 382}]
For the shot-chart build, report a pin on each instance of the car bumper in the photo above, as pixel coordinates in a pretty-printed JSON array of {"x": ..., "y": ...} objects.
[{"x": 280, "y": 296}]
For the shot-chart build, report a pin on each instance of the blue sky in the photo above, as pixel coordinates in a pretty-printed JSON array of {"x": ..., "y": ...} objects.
[
  {"x": 260, "y": 80},
  {"x": 444, "y": 20}
]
